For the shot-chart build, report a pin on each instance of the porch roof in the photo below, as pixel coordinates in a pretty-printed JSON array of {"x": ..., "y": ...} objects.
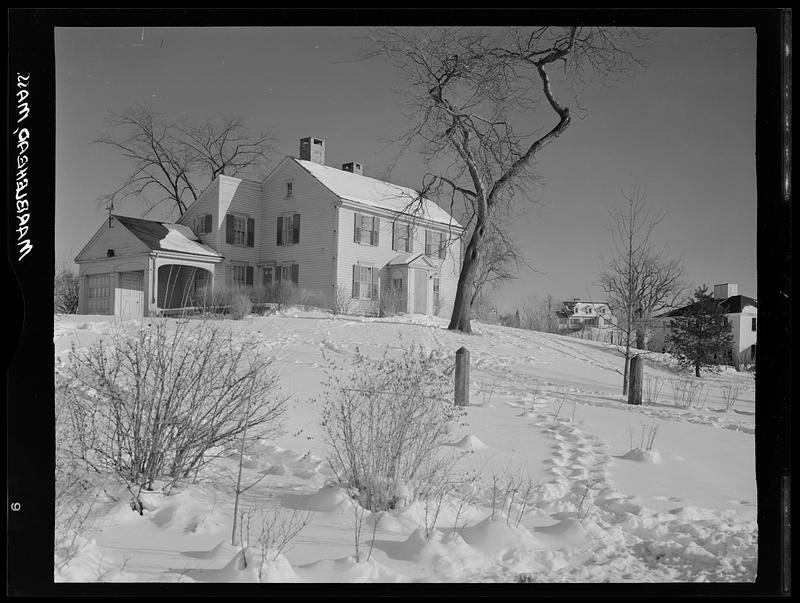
[
  {"x": 411, "y": 259},
  {"x": 164, "y": 236}
]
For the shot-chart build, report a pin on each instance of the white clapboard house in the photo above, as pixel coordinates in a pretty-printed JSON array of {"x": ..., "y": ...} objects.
[{"x": 329, "y": 232}]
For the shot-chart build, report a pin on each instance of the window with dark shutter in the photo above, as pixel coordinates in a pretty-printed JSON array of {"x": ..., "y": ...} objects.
[
  {"x": 251, "y": 232},
  {"x": 229, "y": 229},
  {"x": 280, "y": 230},
  {"x": 207, "y": 223},
  {"x": 248, "y": 279},
  {"x": 296, "y": 273},
  {"x": 296, "y": 229}
]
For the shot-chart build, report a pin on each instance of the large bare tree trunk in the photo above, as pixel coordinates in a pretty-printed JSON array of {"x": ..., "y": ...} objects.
[{"x": 460, "y": 319}]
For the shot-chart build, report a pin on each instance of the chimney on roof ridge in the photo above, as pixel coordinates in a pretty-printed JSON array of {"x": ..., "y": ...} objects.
[
  {"x": 725, "y": 290},
  {"x": 312, "y": 149},
  {"x": 354, "y": 167}
]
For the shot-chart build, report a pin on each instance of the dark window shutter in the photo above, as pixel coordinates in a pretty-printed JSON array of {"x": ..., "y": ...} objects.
[
  {"x": 296, "y": 229},
  {"x": 248, "y": 276},
  {"x": 356, "y": 283},
  {"x": 280, "y": 230},
  {"x": 376, "y": 228},
  {"x": 207, "y": 223},
  {"x": 296, "y": 273},
  {"x": 374, "y": 284},
  {"x": 229, "y": 229},
  {"x": 251, "y": 232},
  {"x": 356, "y": 227}
]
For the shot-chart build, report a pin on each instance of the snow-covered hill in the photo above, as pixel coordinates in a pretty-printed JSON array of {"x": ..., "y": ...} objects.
[{"x": 545, "y": 408}]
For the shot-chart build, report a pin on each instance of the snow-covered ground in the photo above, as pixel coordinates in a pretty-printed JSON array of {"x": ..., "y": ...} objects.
[{"x": 545, "y": 408}]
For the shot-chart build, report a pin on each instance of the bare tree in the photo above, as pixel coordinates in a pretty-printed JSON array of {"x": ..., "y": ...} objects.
[
  {"x": 638, "y": 279},
  {"x": 172, "y": 162},
  {"x": 499, "y": 262},
  {"x": 539, "y": 315},
  {"x": 472, "y": 93}
]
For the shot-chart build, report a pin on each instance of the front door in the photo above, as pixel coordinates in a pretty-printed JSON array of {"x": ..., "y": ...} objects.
[
  {"x": 420, "y": 291},
  {"x": 131, "y": 295}
]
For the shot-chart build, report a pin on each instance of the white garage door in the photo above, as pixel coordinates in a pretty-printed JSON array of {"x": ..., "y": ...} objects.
[{"x": 98, "y": 293}]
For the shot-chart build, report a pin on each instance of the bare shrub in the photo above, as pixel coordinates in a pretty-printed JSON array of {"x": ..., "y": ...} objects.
[
  {"x": 487, "y": 392},
  {"x": 385, "y": 421},
  {"x": 270, "y": 529},
  {"x": 341, "y": 300},
  {"x": 392, "y": 302},
  {"x": 730, "y": 394},
  {"x": 583, "y": 506},
  {"x": 284, "y": 295},
  {"x": 240, "y": 305},
  {"x": 652, "y": 389},
  {"x": 512, "y": 496},
  {"x": 152, "y": 403},
  {"x": 689, "y": 392},
  {"x": 65, "y": 291}
]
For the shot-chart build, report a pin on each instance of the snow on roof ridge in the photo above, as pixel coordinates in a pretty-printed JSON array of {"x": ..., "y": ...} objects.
[{"x": 345, "y": 185}]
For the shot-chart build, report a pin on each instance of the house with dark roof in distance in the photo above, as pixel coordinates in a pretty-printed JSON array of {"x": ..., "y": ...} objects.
[
  {"x": 325, "y": 231},
  {"x": 740, "y": 310}
]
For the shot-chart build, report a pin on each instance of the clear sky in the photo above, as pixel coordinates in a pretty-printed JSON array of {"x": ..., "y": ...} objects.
[{"x": 682, "y": 128}]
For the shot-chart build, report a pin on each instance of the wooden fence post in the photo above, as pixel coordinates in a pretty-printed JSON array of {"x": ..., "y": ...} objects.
[
  {"x": 635, "y": 385},
  {"x": 462, "y": 377}
]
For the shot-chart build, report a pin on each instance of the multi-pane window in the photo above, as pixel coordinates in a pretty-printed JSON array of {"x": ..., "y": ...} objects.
[
  {"x": 241, "y": 275},
  {"x": 267, "y": 276},
  {"x": 367, "y": 229},
  {"x": 287, "y": 273},
  {"x": 289, "y": 229},
  {"x": 435, "y": 244},
  {"x": 202, "y": 224},
  {"x": 364, "y": 282},
  {"x": 402, "y": 239},
  {"x": 289, "y": 189},
  {"x": 240, "y": 230}
]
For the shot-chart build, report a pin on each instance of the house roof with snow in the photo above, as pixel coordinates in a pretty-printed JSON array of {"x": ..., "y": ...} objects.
[
  {"x": 731, "y": 305},
  {"x": 165, "y": 236},
  {"x": 376, "y": 193}
]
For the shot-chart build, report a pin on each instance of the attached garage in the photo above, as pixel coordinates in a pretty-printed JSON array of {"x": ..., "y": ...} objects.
[{"x": 121, "y": 268}]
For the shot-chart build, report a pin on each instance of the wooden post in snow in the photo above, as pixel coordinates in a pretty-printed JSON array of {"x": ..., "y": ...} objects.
[
  {"x": 462, "y": 377},
  {"x": 635, "y": 385}
]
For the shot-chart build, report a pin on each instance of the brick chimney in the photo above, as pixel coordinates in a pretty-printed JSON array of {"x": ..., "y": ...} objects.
[
  {"x": 725, "y": 290},
  {"x": 354, "y": 167},
  {"x": 312, "y": 149}
]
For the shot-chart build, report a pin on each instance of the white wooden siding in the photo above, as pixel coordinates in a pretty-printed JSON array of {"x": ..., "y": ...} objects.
[
  {"x": 118, "y": 238},
  {"x": 206, "y": 203},
  {"x": 315, "y": 204},
  {"x": 351, "y": 253}
]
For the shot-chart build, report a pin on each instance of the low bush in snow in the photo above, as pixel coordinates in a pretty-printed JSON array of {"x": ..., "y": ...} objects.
[
  {"x": 65, "y": 292},
  {"x": 149, "y": 404},
  {"x": 385, "y": 421}
]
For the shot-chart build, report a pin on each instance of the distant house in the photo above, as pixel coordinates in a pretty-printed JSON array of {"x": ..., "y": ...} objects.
[
  {"x": 579, "y": 315},
  {"x": 326, "y": 231},
  {"x": 740, "y": 310}
]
